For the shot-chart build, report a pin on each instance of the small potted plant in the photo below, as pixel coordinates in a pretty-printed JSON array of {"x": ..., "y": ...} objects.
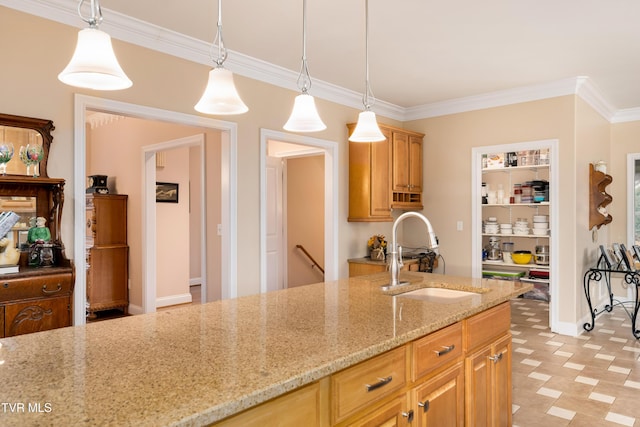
[{"x": 377, "y": 247}]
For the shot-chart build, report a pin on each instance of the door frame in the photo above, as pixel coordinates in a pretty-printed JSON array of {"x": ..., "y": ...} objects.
[
  {"x": 149, "y": 228},
  {"x": 554, "y": 218},
  {"x": 229, "y": 154},
  {"x": 330, "y": 149}
]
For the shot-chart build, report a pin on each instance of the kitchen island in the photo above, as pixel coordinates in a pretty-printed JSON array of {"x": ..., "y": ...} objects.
[{"x": 199, "y": 364}]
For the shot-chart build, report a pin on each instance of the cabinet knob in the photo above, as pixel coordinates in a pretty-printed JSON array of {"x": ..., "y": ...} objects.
[
  {"x": 408, "y": 415},
  {"x": 5, "y": 285},
  {"x": 424, "y": 405},
  {"x": 496, "y": 358}
]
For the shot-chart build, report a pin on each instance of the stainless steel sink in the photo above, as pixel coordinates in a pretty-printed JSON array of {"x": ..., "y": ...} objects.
[{"x": 440, "y": 295}]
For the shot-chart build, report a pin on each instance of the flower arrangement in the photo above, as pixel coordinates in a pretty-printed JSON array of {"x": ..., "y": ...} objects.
[
  {"x": 377, "y": 247},
  {"x": 377, "y": 241}
]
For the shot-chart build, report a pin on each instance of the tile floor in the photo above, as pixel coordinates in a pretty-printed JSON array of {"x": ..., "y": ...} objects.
[{"x": 590, "y": 380}]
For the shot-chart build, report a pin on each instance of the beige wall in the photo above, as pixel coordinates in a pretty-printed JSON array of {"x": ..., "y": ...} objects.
[
  {"x": 172, "y": 230},
  {"x": 305, "y": 218}
]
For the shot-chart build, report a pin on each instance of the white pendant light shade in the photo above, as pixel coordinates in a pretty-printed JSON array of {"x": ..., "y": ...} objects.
[
  {"x": 220, "y": 96},
  {"x": 304, "y": 117},
  {"x": 367, "y": 129},
  {"x": 94, "y": 64}
]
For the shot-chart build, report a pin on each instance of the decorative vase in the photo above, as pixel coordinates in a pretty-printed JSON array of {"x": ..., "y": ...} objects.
[{"x": 377, "y": 254}]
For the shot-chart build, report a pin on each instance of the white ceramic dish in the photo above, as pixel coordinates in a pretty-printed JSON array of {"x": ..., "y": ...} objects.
[
  {"x": 541, "y": 218},
  {"x": 540, "y": 231},
  {"x": 544, "y": 225}
]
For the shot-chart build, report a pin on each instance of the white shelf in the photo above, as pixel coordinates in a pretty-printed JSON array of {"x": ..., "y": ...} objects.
[
  {"x": 511, "y": 205},
  {"x": 494, "y": 264},
  {"x": 529, "y": 236},
  {"x": 515, "y": 168}
]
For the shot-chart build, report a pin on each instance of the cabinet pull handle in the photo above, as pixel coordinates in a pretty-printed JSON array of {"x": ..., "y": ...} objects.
[
  {"x": 446, "y": 349},
  {"x": 496, "y": 357},
  {"x": 46, "y": 291},
  {"x": 5, "y": 285},
  {"x": 424, "y": 405},
  {"x": 380, "y": 383},
  {"x": 408, "y": 415}
]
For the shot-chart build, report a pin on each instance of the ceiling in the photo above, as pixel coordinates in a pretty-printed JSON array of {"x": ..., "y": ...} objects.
[{"x": 423, "y": 52}]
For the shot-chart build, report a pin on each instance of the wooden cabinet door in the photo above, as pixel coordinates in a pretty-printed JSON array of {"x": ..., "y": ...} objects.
[
  {"x": 395, "y": 413},
  {"x": 37, "y": 315},
  {"x": 439, "y": 402},
  {"x": 501, "y": 381},
  {"x": 401, "y": 154},
  {"x": 478, "y": 389},
  {"x": 415, "y": 164},
  {"x": 107, "y": 277},
  {"x": 381, "y": 177},
  {"x": 488, "y": 385}
]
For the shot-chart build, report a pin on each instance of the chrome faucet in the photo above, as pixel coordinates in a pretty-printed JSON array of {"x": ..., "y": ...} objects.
[{"x": 396, "y": 251}]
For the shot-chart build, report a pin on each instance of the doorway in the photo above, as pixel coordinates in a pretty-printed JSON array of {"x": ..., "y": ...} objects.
[
  {"x": 155, "y": 265},
  {"x": 228, "y": 199},
  {"x": 330, "y": 229}
]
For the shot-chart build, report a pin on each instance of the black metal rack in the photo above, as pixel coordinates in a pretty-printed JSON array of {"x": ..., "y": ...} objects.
[{"x": 631, "y": 278}]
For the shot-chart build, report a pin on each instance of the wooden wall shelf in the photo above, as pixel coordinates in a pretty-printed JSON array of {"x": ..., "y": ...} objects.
[{"x": 598, "y": 198}]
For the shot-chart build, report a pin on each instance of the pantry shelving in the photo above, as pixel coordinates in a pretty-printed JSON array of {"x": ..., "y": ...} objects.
[{"x": 500, "y": 168}]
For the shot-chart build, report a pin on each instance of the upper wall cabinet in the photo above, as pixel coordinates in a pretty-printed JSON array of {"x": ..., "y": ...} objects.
[
  {"x": 370, "y": 179},
  {"x": 407, "y": 170},
  {"x": 385, "y": 175}
]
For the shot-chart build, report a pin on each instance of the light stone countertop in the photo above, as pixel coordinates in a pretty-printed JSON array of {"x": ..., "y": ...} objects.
[{"x": 198, "y": 364}]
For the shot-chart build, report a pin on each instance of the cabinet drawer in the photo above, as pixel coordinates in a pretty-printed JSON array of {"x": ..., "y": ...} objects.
[
  {"x": 35, "y": 287},
  {"x": 436, "y": 350},
  {"x": 302, "y": 407},
  {"x": 358, "y": 386},
  {"x": 37, "y": 315},
  {"x": 487, "y": 326}
]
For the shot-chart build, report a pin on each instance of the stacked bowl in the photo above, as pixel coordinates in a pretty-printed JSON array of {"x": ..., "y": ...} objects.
[
  {"x": 541, "y": 225},
  {"x": 491, "y": 226},
  {"x": 521, "y": 227},
  {"x": 506, "y": 229}
]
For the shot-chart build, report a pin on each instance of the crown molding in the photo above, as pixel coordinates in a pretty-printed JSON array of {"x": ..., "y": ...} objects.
[
  {"x": 571, "y": 86},
  {"x": 156, "y": 38},
  {"x": 626, "y": 115}
]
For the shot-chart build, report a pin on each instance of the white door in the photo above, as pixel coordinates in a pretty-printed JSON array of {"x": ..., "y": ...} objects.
[{"x": 274, "y": 225}]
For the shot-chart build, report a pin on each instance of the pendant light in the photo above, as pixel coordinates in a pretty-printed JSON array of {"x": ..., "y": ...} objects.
[
  {"x": 367, "y": 129},
  {"x": 93, "y": 64},
  {"x": 220, "y": 97},
  {"x": 304, "y": 117}
]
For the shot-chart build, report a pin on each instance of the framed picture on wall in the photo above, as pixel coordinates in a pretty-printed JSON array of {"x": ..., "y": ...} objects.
[{"x": 166, "y": 192}]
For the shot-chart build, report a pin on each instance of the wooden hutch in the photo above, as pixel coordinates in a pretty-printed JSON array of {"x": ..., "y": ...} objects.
[{"x": 37, "y": 297}]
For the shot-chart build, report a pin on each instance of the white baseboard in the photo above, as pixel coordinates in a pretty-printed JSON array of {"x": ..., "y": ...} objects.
[
  {"x": 173, "y": 300},
  {"x": 135, "y": 309},
  {"x": 195, "y": 281}
]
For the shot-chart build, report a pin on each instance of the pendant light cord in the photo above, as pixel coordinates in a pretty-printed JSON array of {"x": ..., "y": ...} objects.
[
  {"x": 96, "y": 14},
  {"x": 219, "y": 41},
  {"x": 304, "y": 78},
  {"x": 367, "y": 98}
]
